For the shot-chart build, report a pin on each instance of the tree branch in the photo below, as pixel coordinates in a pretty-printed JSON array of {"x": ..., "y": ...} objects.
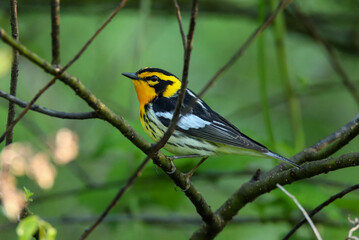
[
  {"x": 114, "y": 201},
  {"x": 277, "y": 99},
  {"x": 249, "y": 191},
  {"x": 331, "y": 144},
  {"x": 58, "y": 72},
  {"x": 210, "y": 176},
  {"x": 118, "y": 122},
  {"x": 245, "y": 46},
  {"x": 306, "y": 216},
  {"x": 337, "y": 66},
  {"x": 55, "y": 32},
  {"x": 14, "y": 69},
  {"x": 325, "y": 147},
  {"x": 182, "y": 92},
  {"x": 320, "y": 207},
  {"x": 342, "y": 39},
  {"x": 46, "y": 111},
  {"x": 173, "y": 220},
  {"x": 178, "y": 14},
  {"x": 179, "y": 178}
]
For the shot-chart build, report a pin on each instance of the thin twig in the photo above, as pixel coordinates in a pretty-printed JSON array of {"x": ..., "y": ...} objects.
[
  {"x": 334, "y": 61},
  {"x": 14, "y": 69},
  {"x": 245, "y": 46},
  {"x": 332, "y": 143},
  {"x": 342, "y": 39},
  {"x": 5, "y": 175},
  {"x": 114, "y": 201},
  {"x": 55, "y": 32},
  {"x": 94, "y": 186},
  {"x": 325, "y": 147},
  {"x": 61, "y": 71},
  {"x": 119, "y": 123},
  {"x": 209, "y": 176},
  {"x": 173, "y": 220},
  {"x": 27, "y": 108},
  {"x": 179, "y": 18},
  {"x": 203, "y": 209},
  {"x": 180, "y": 179},
  {"x": 277, "y": 99},
  {"x": 182, "y": 92},
  {"x": 46, "y": 111},
  {"x": 315, "y": 230},
  {"x": 249, "y": 191},
  {"x": 320, "y": 207},
  {"x": 353, "y": 229}
]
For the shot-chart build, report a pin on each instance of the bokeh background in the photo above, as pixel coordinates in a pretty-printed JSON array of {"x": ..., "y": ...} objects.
[{"x": 146, "y": 34}]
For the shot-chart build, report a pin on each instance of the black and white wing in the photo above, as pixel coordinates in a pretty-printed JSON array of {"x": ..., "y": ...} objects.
[{"x": 202, "y": 122}]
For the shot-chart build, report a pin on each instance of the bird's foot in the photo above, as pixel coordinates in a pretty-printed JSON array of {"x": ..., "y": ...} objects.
[
  {"x": 190, "y": 174},
  {"x": 173, "y": 166}
]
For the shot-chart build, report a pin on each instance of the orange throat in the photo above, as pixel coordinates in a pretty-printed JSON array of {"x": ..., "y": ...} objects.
[{"x": 145, "y": 93}]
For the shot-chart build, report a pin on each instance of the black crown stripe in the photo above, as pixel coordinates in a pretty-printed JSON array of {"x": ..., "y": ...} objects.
[{"x": 150, "y": 69}]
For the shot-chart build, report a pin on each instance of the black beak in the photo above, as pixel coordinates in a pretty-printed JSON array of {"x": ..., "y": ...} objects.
[{"x": 132, "y": 76}]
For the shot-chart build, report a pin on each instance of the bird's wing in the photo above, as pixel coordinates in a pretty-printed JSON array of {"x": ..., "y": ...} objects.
[{"x": 202, "y": 122}]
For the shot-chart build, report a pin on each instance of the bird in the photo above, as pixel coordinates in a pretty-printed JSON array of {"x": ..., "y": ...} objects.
[{"x": 200, "y": 130}]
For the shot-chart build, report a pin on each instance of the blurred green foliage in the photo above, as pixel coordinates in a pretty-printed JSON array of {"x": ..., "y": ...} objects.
[
  {"x": 131, "y": 42},
  {"x": 32, "y": 226}
]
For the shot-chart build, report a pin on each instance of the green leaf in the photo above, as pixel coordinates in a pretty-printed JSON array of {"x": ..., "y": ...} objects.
[
  {"x": 27, "y": 228},
  {"x": 46, "y": 231},
  {"x": 30, "y": 225},
  {"x": 28, "y": 194}
]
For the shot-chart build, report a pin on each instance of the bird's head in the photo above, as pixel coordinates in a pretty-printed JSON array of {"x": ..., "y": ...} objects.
[{"x": 151, "y": 83}]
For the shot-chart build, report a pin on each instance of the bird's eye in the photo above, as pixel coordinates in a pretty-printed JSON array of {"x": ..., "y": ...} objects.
[{"x": 154, "y": 78}]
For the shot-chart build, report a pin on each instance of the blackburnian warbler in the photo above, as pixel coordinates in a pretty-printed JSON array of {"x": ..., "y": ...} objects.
[{"x": 200, "y": 131}]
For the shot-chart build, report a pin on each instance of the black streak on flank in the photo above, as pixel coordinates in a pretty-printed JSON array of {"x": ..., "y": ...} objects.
[
  {"x": 152, "y": 130},
  {"x": 146, "y": 107},
  {"x": 198, "y": 148}
]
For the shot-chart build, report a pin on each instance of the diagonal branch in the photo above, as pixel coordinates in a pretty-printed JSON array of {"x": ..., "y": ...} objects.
[
  {"x": 114, "y": 201},
  {"x": 182, "y": 92},
  {"x": 320, "y": 207},
  {"x": 245, "y": 46},
  {"x": 58, "y": 72},
  {"x": 306, "y": 216},
  {"x": 325, "y": 147},
  {"x": 332, "y": 143},
  {"x": 249, "y": 191},
  {"x": 334, "y": 61},
  {"x": 79, "y": 88},
  {"x": 46, "y": 111},
  {"x": 179, "y": 178},
  {"x": 27, "y": 108},
  {"x": 119, "y": 123},
  {"x": 179, "y": 18},
  {"x": 282, "y": 175}
]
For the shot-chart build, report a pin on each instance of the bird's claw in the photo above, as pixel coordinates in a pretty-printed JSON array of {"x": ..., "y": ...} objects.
[
  {"x": 173, "y": 167},
  {"x": 188, "y": 182}
]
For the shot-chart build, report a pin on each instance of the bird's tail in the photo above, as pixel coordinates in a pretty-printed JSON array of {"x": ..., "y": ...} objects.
[{"x": 277, "y": 156}]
